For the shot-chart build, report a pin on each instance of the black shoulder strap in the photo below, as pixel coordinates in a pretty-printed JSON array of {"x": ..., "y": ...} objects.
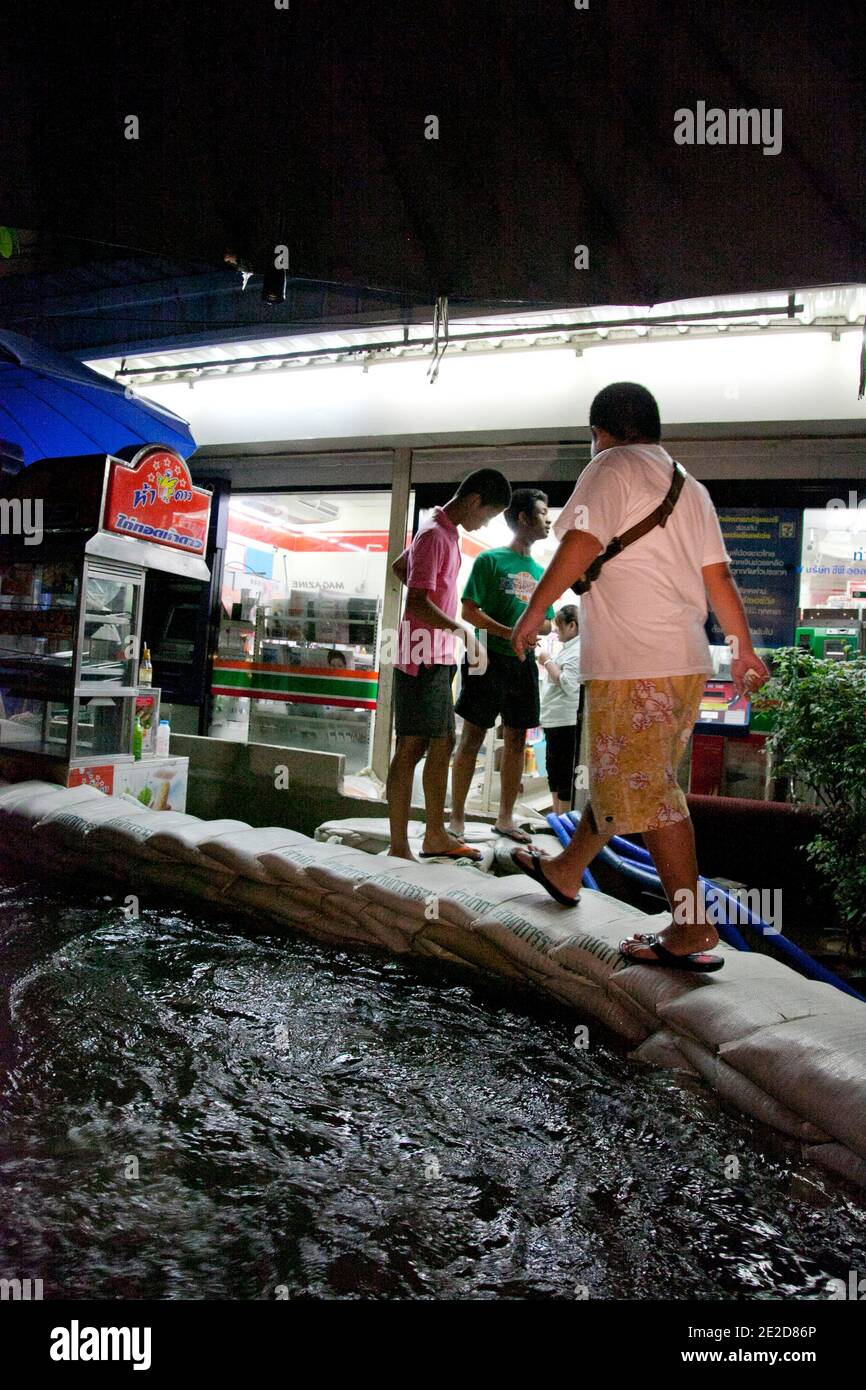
[{"x": 658, "y": 517}]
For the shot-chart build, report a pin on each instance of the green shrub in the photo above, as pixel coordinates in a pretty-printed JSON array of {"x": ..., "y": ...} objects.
[{"x": 820, "y": 743}]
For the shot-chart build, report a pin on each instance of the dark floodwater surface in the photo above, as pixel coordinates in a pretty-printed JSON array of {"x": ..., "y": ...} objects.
[{"x": 190, "y": 1110}]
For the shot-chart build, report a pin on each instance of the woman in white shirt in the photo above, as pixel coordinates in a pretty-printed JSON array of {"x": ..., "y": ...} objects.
[{"x": 560, "y": 700}]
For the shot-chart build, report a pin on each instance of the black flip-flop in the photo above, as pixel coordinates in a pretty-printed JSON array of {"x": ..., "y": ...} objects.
[
  {"x": 538, "y": 875},
  {"x": 521, "y": 838},
  {"x": 696, "y": 962}
]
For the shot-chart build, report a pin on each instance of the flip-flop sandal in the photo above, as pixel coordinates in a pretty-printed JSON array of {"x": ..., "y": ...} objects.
[
  {"x": 459, "y": 852},
  {"x": 696, "y": 962},
  {"x": 536, "y": 873},
  {"x": 519, "y": 837}
]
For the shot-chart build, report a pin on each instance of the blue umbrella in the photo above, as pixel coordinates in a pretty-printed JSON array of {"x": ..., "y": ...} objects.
[{"x": 53, "y": 406}]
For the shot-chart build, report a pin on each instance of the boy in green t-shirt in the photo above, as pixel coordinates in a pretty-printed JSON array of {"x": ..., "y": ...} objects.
[{"x": 500, "y": 585}]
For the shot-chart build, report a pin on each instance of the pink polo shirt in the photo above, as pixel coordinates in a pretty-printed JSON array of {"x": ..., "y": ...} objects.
[{"x": 433, "y": 563}]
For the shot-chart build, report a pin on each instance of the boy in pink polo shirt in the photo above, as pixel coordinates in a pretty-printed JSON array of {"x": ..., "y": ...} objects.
[{"x": 424, "y": 671}]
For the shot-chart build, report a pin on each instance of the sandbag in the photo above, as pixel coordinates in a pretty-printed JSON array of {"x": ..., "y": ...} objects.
[
  {"x": 423, "y": 945},
  {"x": 241, "y": 850},
  {"x": 591, "y": 1001},
  {"x": 341, "y": 872},
  {"x": 454, "y": 892},
  {"x": 387, "y": 930},
  {"x": 742, "y": 998},
  {"x": 70, "y": 827},
  {"x": 11, "y": 792},
  {"x": 296, "y": 900},
  {"x": 349, "y": 925},
  {"x": 546, "y": 937},
  {"x": 266, "y": 901},
  {"x": 130, "y": 836},
  {"x": 373, "y": 833},
  {"x": 290, "y": 865},
  {"x": 744, "y": 1095},
  {"x": 271, "y": 906},
  {"x": 370, "y": 834},
  {"x": 465, "y": 945},
  {"x": 816, "y": 1065},
  {"x": 27, "y": 809},
  {"x": 651, "y": 989},
  {"x": 839, "y": 1160},
  {"x": 442, "y": 940},
  {"x": 182, "y": 842},
  {"x": 662, "y": 1049},
  {"x": 172, "y": 875}
]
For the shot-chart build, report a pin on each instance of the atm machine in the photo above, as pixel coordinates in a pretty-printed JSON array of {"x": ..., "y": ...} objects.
[{"x": 834, "y": 634}]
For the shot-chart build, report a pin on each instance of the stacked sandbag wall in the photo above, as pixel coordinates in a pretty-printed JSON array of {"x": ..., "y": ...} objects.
[{"x": 786, "y": 1051}]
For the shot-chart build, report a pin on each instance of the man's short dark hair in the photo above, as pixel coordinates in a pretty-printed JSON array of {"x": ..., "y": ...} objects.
[
  {"x": 627, "y": 411},
  {"x": 523, "y": 499},
  {"x": 492, "y": 487},
  {"x": 569, "y": 613}
]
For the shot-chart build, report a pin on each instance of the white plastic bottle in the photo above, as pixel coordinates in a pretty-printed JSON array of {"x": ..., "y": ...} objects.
[{"x": 163, "y": 738}]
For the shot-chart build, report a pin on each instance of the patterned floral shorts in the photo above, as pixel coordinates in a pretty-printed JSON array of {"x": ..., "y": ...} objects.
[{"x": 637, "y": 734}]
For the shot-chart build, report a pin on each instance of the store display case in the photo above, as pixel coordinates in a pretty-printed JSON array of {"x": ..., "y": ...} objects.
[{"x": 71, "y": 608}]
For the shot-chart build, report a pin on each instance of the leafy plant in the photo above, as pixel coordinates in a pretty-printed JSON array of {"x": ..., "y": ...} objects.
[{"x": 820, "y": 743}]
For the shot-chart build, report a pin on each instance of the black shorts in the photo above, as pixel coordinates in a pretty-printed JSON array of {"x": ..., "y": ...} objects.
[
  {"x": 561, "y": 758},
  {"x": 507, "y": 688},
  {"x": 423, "y": 704}
]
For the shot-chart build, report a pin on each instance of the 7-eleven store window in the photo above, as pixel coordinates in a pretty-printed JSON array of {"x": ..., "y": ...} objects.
[
  {"x": 302, "y": 600},
  {"x": 484, "y": 791}
]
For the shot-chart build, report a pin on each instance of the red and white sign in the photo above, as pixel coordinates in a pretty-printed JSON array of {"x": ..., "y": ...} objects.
[
  {"x": 101, "y": 777},
  {"x": 153, "y": 499}
]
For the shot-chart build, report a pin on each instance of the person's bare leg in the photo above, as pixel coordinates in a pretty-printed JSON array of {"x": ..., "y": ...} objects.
[
  {"x": 510, "y": 773},
  {"x": 465, "y": 758},
  {"x": 565, "y": 871},
  {"x": 673, "y": 853},
  {"x": 407, "y": 755},
  {"x": 435, "y": 780}
]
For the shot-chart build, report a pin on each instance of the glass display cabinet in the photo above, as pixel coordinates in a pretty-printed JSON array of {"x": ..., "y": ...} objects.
[
  {"x": 69, "y": 642},
  {"x": 71, "y": 604}
]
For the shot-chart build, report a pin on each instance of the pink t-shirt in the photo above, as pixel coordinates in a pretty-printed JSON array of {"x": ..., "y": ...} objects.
[{"x": 433, "y": 563}]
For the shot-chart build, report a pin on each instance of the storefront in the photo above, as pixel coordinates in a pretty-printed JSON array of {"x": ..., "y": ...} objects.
[{"x": 331, "y": 466}]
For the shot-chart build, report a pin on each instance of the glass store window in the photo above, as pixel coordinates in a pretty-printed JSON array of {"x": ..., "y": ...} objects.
[
  {"x": 833, "y": 582},
  {"x": 297, "y": 664},
  {"x": 484, "y": 792}
]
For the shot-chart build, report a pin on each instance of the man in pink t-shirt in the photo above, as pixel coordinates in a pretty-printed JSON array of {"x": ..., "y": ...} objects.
[{"x": 425, "y": 666}]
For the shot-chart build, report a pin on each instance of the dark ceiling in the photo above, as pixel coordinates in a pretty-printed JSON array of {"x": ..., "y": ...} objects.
[{"x": 304, "y": 125}]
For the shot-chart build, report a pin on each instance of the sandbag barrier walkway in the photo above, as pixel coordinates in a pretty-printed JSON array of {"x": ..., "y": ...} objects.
[
  {"x": 635, "y": 863},
  {"x": 786, "y": 1051}
]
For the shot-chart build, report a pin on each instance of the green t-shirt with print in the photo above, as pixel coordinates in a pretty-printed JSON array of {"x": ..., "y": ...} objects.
[{"x": 502, "y": 582}]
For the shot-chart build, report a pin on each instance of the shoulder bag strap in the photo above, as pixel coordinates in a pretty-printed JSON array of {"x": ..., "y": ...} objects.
[{"x": 658, "y": 517}]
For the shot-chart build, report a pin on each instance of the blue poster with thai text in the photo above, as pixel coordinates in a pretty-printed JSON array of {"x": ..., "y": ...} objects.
[{"x": 764, "y": 546}]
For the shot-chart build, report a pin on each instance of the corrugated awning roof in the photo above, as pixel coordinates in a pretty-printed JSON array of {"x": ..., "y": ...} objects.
[{"x": 839, "y": 306}]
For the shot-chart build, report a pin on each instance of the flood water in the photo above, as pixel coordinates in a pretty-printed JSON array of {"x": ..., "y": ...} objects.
[{"x": 190, "y": 1110}]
